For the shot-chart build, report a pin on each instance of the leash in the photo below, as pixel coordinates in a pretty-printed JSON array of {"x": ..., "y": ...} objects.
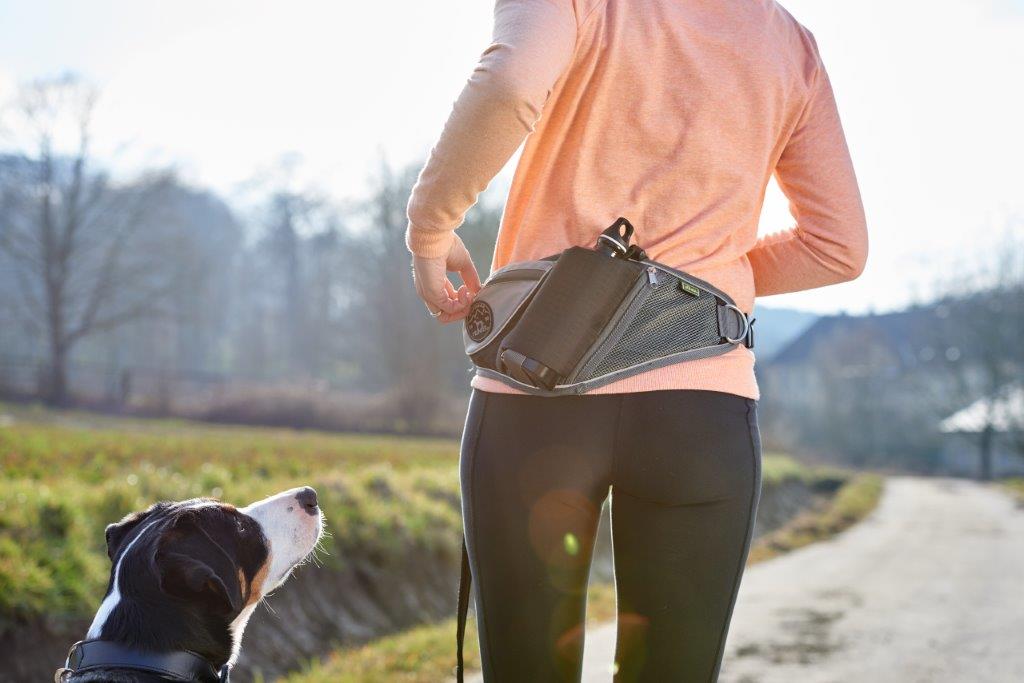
[
  {"x": 465, "y": 582},
  {"x": 91, "y": 655}
]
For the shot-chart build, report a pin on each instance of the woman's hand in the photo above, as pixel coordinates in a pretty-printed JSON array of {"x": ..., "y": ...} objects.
[{"x": 432, "y": 284}]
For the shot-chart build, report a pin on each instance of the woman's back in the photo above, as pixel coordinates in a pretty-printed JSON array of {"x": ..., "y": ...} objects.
[{"x": 673, "y": 113}]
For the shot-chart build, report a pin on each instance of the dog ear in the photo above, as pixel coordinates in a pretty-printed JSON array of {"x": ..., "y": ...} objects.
[
  {"x": 116, "y": 533},
  {"x": 191, "y": 579},
  {"x": 193, "y": 567}
]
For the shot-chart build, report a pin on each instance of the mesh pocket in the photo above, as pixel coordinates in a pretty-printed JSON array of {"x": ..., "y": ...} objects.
[{"x": 669, "y": 321}]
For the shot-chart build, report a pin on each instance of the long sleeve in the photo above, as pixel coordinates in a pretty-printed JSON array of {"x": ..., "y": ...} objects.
[
  {"x": 829, "y": 242},
  {"x": 532, "y": 45}
]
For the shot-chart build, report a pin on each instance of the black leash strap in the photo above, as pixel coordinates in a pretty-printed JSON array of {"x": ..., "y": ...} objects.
[{"x": 465, "y": 581}]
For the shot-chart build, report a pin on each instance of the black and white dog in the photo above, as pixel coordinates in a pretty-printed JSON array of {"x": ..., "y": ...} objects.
[{"x": 185, "y": 579}]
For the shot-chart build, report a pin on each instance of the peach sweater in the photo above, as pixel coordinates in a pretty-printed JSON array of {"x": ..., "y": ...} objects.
[{"x": 672, "y": 113}]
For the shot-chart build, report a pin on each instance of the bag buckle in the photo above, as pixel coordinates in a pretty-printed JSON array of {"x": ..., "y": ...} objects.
[
  {"x": 746, "y": 337},
  {"x": 527, "y": 370},
  {"x": 614, "y": 240}
]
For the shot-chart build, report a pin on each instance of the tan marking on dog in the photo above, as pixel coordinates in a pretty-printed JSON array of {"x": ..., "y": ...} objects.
[
  {"x": 256, "y": 585},
  {"x": 243, "y": 585}
]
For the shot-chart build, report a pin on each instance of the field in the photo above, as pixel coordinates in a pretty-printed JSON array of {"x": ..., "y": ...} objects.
[{"x": 64, "y": 476}]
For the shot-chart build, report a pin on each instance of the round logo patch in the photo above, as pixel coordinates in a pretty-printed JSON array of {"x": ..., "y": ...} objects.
[{"x": 479, "y": 321}]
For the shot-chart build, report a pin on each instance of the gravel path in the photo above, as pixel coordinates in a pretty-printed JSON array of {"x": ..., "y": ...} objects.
[{"x": 929, "y": 588}]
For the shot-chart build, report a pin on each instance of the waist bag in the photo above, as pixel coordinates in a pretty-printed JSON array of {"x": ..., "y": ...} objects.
[
  {"x": 573, "y": 322},
  {"x": 586, "y": 317}
]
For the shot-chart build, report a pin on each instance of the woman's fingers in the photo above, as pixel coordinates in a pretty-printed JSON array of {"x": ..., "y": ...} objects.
[
  {"x": 460, "y": 261},
  {"x": 451, "y": 310},
  {"x": 456, "y": 303},
  {"x": 446, "y": 318},
  {"x": 470, "y": 276},
  {"x": 444, "y": 300},
  {"x": 429, "y": 281},
  {"x": 438, "y": 292}
]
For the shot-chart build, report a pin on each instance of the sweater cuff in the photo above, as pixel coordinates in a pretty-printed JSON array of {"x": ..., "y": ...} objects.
[{"x": 428, "y": 243}]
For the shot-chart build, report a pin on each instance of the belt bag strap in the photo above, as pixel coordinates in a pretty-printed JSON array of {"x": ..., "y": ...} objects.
[{"x": 587, "y": 317}]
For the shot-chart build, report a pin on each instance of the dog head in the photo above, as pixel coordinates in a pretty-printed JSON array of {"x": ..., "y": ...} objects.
[{"x": 188, "y": 575}]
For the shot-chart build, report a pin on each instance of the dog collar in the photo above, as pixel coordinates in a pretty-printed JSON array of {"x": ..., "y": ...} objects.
[{"x": 90, "y": 655}]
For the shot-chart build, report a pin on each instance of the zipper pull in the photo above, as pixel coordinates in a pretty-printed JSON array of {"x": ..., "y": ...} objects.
[{"x": 652, "y": 276}]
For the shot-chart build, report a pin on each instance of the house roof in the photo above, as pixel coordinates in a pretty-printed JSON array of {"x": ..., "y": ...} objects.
[
  {"x": 907, "y": 333},
  {"x": 922, "y": 335},
  {"x": 1007, "y": 414}
]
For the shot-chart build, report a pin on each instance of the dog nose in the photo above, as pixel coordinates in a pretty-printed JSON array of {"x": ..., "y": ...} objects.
[{"x": 307, "y": 499}]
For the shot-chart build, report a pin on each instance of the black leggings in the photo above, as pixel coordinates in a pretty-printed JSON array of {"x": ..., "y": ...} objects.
[{"x": 684, "y": 468}]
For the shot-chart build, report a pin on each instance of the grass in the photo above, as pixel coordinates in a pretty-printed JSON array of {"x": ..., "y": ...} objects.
[
  {"x": 777, "y": 468},
  {"x": 419, "y": 655},
  {"x": 852, "y": 503},
  {"x": 1016, "y": 487},
  {"x": 65, "y": 475},
  {"x": 424, "y": 654},
  {"x": 62, "y": 481}
]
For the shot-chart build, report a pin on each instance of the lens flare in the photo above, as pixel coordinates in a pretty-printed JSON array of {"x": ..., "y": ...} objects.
[{"x": 571, "y": 544}]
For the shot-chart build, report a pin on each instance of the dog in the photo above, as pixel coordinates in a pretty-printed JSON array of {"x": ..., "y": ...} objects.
[{"x": 185, "y": 578}]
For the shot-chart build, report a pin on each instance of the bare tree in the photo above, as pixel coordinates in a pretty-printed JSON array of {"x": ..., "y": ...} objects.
[
  {"x": 1015, "y": 433},
  {"x": 982, "y": 338},
  {"x": 326, "y": 295},
  {"x": 287, "y": 211},
  {"x": 69, "y": 231},
  {"x": 401, "y": 347},
  {"x": 405, "y": 343}
]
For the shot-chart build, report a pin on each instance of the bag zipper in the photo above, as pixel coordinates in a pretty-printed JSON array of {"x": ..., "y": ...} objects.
[
  {"x": 689, "y": 281},
  {"x": 644, "y": 286},
  {"x": 516, "y": 275}
]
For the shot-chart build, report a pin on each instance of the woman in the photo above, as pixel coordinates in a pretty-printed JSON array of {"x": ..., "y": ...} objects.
[{"x": 674, "y": 114}]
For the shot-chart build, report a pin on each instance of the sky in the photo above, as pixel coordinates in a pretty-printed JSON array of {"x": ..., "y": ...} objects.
[{"x": 231, "y": 92}]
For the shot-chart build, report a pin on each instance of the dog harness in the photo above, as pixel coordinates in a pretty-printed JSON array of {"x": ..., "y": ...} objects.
[{"x": 94, "y": 655}]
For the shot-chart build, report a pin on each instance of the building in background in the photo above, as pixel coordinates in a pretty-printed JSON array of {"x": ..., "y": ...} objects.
[{"x": 992, "y": 426}]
